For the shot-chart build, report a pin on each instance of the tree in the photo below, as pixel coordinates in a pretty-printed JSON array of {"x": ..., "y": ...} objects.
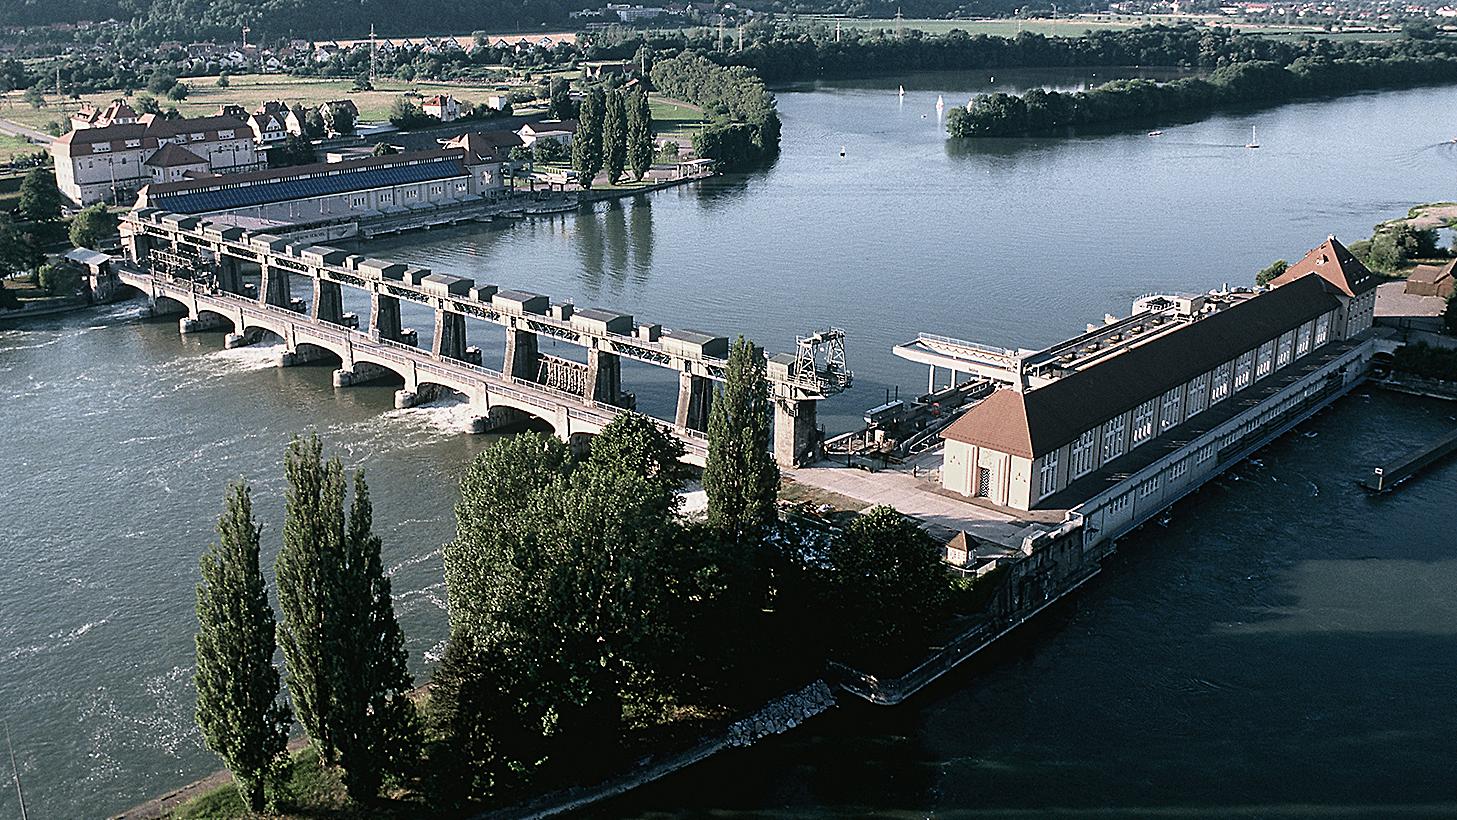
[
  {"x": 639, "y": 134},
  {"x": 40, "y": 199},
  {"x": 587, "y": 144},
  {"x": 161, "y": 82},
  {"x": 885, "y": 587},
  {"x": 60, "y": 279},
  {"x": 338, "y": 119},
  {"x": 1270, "y": 273},
  {"x": 294, "y": 150},
  {"x": 560, "y": 105},
  {"x": 614, "y": 136},
  {"x": 36, "y": 96},
  {"x": 378, "y": 733},
  {"x": 1449, "y": 315},
  {"x": 384, "y": 149},
  {"x": 308, "y": 578},
  {"x": 344, "y": 650},
  {"x": 223, "y": 81},
  {"x": 92, "y": 225},
  {"x": 740, "y": 477},
  {"x": 362, "y": 82},
  {"x": 238, "y": 709},
  {"x": 178, "y": 92},
  {"x": 147, "y": 104},
  {"x": 19, "y": 251}
]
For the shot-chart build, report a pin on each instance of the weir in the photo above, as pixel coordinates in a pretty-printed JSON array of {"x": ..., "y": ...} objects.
[{"x": 187, "y": 263}]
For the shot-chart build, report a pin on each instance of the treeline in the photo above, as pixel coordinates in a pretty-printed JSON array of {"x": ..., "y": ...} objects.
[
  {"x": 783, "y": 53},
  {"x": 589, "y": 616},
  {"x": 743, "y": 123},
  {"x": 1253, "y": 83},
  {"x": 614, "y": 132},
  {"x": 188, "y": 20}
]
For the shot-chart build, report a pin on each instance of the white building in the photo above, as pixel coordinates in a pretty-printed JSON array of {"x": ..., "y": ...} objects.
[
  {"x": 1117, "y": 423},
  {"x": 109, "y": 164},
  {"x": 560, "y": 131},
  {"x": 442, "y": 107}
]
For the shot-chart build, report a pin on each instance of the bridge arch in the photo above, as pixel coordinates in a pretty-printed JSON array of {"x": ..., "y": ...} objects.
[
  {"x": 167, "y": 306},
  {"x": 213, "y": 318}
]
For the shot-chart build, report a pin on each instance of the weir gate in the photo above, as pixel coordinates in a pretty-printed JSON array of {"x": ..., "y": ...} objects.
[{"x": 189, "y": 266}]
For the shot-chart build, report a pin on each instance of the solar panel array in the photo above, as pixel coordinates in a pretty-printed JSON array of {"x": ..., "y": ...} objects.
[{"x": 283, "y": 190}]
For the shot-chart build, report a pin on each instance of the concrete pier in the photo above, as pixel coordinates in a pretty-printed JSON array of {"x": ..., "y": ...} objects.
[
  {"x": 796, "y": 435},
  {"x": 695, "y": 399},
  {"x": 384, "y": 316},
  {"x": 604, "y": 376},
  {"x": 449, "y": 340},
  {"x": 202, "y": 324},
  {"x": 361, "y": 373},
  {"x": 521, "y": 354},
  {"x": 274, "y": 287},
  {"x": 230, "y": 276},
  {"x": 328, "y": 302}
]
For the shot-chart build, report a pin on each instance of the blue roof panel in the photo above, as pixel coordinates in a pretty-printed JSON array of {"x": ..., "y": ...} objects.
[{"x": 283, "y": 190}]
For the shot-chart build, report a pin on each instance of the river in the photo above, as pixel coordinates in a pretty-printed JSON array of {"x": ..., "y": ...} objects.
[{"x": 1293, "y": 646}]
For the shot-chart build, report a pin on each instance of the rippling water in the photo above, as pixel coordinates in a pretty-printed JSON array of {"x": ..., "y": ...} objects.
[{"x": 1284, "y": 641}]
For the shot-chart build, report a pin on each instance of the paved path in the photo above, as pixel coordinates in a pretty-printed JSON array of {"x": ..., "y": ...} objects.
[
  {"x": 15, "y": 129},
  {"x": 913, "y": 497}
]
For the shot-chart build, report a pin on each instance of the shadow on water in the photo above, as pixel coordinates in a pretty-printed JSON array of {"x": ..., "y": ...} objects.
[{"x": 1267, "y": 653}]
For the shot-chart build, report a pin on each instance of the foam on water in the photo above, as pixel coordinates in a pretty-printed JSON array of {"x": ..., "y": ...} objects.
[{"x": 56, "y": 640}]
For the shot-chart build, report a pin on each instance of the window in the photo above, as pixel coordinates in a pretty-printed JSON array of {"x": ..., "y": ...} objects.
[
  {"x": 1286, "y": 351},
  {"x": 1265, "y": 360},
  {"x": 983, "y": 482},
  {"x": 437, "y": 190},
  {"x": 356, "y": 201},
  {"x": 1148, "y": 488},
  {"x": 1143, "y": 422},
  {"x": 386, "y": 197},
  {"x": 1113, "y": 439},
  {"x": 199, "y": 137},
  {"x": 134, "y": 143},
  {"x": 460, "y": 187},
  {"x": 1322, "y": 329},
  {"x": 1082, "y": 454},
  {"x": 1198, "y": 395},
  {"x": 412, "y": 194},
  {"x": 100, "y": 147},
  {"x": 1118, "y": 504},
  {"x": 1048, "y": 474},
  {"x": 1206, "y": 452},
  {"x": 1173, "y": 412},
  {"x": 225, "y": 134},
  {"x": 1220, "y": 389},
  {"x": 1243, "y": 367},
  {"x": 1179, "y": 470},
  {"x": 1302, "y": 340}
]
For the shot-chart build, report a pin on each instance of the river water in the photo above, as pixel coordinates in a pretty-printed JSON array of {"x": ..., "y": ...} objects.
[{"x": 1284, "y": 643}]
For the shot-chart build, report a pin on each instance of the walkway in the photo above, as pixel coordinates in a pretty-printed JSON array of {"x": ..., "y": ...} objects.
[{"x": 915, "y": 497}]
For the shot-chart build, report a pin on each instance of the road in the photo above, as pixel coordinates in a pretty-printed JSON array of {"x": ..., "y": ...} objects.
[{"x": 15, "y": 129}]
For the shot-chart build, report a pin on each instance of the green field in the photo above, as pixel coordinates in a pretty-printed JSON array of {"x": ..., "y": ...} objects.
[
  {"x": 252, "y": 90},
  {"x": 674, "y": 119},
  {"x": 12, "y": 147}
]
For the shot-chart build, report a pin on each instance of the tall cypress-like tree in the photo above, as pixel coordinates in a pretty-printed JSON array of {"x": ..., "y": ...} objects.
[
  {"x": 308, "y": 579},
  {"x": 740, "y": 476},
  {"x": 378, "y": 729},
  {"x": 639, "y": 134},
  {"x": 587, "y": 144},
  {"x": 614, "y": 136},
  {"x": 238, "y": 709}
]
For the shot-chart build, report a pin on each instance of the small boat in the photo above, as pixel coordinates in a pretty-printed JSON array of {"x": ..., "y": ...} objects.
[
  {"x": 940, "y": 102},
  {"x": 842, "y": 150},
  {"x": 903, "y": 91},
  {"x": 1254, "y": 141},
  {"x": 1155, "y": 133}
]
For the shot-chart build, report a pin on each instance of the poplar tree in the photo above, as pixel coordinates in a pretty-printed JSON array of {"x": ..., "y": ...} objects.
[
  {"x": 238, "y": 709},
  {"x": 345, "y": 651},
  {"x": 587, "y": 144},
  {"x": 639, "y": 134},
  {"x": 740, "y": 477},
  {"x": 308, "y": 579},
  {"x": 378, "y": 729},
  {"x": 614, "y": 137}
]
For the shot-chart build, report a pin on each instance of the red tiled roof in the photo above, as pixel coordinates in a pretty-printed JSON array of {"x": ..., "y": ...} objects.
[
  {"x": 1335, "y": 264},
  {"x": 1042, "y": 419}
]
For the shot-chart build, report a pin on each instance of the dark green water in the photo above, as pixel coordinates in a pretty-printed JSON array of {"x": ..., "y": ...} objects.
[{"x": 1284, "y": 642}]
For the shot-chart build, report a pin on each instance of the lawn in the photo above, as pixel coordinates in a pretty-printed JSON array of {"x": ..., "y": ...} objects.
[
  {"x": 12, "y": 147},
  {"x": 252, "y": 90},
  {"x": 674, "y": 119}
]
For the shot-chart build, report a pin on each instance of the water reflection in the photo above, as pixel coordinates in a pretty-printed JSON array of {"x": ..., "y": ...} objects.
[{"x": 614, "y": 245}]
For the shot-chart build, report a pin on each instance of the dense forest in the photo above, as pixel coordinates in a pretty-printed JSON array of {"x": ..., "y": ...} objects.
[{"x": 308, "y": 19}]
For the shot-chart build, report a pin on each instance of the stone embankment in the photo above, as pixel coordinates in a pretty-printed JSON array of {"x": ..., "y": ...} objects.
[{"x": 781, "y": 715}]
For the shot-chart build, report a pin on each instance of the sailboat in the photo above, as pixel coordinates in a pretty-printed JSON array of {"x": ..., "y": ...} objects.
[
  {"x": 940, "y": 103},
  {"x": 903, "y": 91},
  {"x": 1254, "y": 141}
]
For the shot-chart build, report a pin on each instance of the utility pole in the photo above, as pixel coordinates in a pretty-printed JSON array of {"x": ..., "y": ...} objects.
[
  {"x": 371, "y": 53},
  {"x": 837, "y": 31},
  {"x": 16, "y": 770},
  {"x": 720, "y": 34},
  {"x": 245, "y": 36},
  {"x": 741, "y": 38},
  {"x": 899, "y": 22}
]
